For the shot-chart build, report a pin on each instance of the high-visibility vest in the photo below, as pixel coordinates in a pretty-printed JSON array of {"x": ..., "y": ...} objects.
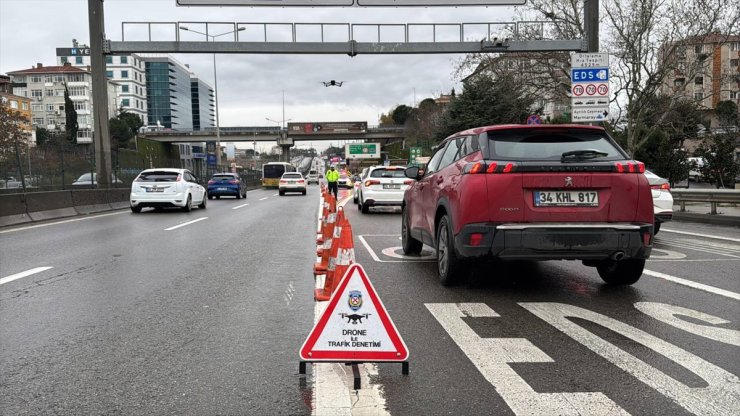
[{"x": 332, "y": 176}]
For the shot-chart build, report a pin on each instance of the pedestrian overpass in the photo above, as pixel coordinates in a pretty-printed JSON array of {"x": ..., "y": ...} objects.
[{"x": 269, "y": 134}]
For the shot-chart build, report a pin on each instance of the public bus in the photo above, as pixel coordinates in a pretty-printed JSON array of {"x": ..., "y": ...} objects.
[{"x": 271, "y": 173}]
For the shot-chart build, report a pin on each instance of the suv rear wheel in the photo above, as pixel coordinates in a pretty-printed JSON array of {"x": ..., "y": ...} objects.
[
  {"x": 623, "y": 272},
  {"x": 410, "y": 244},
  {"x": 188, "y": 205},
  {"x": 449, "y": 266}
]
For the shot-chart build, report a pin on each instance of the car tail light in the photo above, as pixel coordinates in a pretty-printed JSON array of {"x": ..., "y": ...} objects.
[
  {"x": 179, "y": 178},
  {"x": 372, "y": 182},
  {"x": 301, "y": 181},
  {"x": 234, "y": 182},
  {"x": 211, "y": 182},
  {"x": 408, "y": 182},
  {"x": 663, "y": 187},
  {"x": 283, "y": 181},
  {"x": 476, "y": 239},
  {"x": 489, "y": 167},
  {"x": 629, "y": 167},
  {"x": 645, "y": 239}
]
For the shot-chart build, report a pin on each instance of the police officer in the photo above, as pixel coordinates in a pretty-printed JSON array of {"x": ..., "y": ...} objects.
[{"x": 332, "y": 176}]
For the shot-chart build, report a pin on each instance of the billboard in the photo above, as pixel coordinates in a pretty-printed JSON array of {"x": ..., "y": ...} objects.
[
  {"x": 362, "y": 151},
  {"x": 347, "y": 3},
  {"x": 295, "y": 129}
]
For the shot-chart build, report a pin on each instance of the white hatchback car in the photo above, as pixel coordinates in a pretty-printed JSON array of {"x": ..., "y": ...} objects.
[
  {"x": 292, "y": 182},
  {"x": 662, "y": 199},
  {"x": 166, "y": 188},
  {"x": 382, "y": 186}
]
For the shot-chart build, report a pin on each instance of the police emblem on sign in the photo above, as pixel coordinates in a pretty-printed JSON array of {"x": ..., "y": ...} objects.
[{"x": 355, "y": 300}]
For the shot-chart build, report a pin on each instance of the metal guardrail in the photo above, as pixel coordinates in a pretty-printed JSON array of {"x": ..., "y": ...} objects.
[{"x": 713, "y": 196}]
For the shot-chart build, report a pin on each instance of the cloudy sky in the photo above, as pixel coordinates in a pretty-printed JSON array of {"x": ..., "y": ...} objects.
[{"x": 250, "y": 86}]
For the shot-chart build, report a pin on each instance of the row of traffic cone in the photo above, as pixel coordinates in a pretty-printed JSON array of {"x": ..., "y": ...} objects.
[{"x": 336, "y": 248}]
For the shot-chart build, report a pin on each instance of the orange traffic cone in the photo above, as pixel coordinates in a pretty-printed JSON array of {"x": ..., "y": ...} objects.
[
  {"x": 330, "y": 208},
  {"x": 342, "y": 257},
  {"x": 337, "y": 220},
  {"x": 321, "y": 267}
]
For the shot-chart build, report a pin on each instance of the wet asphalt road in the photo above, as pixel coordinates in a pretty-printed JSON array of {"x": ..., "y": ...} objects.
[{"x": 208, "y": 319}]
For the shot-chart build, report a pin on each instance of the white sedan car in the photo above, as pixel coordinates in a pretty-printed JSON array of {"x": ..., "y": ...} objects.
[
  {"x": 166, "y": 188},
  {"x": 382, "y": 186},
  {"x": 662, "y": 199},
  {"x": 292, "y": 182}
]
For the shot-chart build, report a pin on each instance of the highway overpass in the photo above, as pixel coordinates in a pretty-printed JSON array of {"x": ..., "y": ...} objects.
[{"x": 269, "y": 134}]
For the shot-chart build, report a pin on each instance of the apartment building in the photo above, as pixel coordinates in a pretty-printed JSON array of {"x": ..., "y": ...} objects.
[
  {"x": 45, "y": 85},
  {"x": 706, "y": 69},
  {"x": 203, "y": 104},
  {"x": 127, "y": 71},
  {"x": 15, "y": 102}
]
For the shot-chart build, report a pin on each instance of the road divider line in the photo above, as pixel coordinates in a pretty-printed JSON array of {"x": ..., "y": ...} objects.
[
  {"x": 716, "y": 237},
  {"x": 262, "y": 199},
  {"x": 370, "y": 250},
  {"x": 274, "y": 195},
  {"x": 695, "y": 285},
  {"x": 89, "y": 217},
  {"x": 20, "y": 275},
  {"x": 185, "y": 223},
  {"x": 240, "y": 206}
]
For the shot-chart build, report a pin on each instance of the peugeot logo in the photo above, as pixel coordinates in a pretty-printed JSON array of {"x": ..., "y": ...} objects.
[{"x": 568, "y": 181}]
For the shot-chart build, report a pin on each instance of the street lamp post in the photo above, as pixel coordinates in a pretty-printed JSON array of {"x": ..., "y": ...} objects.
[
  {"x": 215, "y": 85},
  {"x": 281, "y": 123}
]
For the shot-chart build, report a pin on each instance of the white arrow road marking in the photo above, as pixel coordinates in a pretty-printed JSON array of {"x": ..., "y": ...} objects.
[
  {"x": 493, "y": 358},
  {"x": 695, "y": 285},
  {"x": 671, "y": 315},
  {"x": 240, "y": 206},
  {"x": 719, "y": 397},
  {"x": 20, "y": 275},
  {"x": 185, "y": 223}
]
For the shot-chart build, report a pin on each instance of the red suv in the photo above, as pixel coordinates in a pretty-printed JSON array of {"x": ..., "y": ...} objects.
[{"x": 522, "y": 192}]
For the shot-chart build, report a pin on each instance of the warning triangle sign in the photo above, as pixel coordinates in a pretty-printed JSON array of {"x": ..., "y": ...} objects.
[{"x": 355, "y": 325}]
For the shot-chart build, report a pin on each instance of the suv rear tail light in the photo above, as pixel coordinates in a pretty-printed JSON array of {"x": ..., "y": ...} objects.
[
  {"x": 234, "y": 182},
  {"x": 301, "y": 181},
  {"x": 629, "y": 167},
  {"x": 408, "y": 182},
  {"x": 211, "y": 182},
  {"x": 476, "y": 239},
  {"x": 489, "y": 167},
  {"x": 372, "y": 182}
]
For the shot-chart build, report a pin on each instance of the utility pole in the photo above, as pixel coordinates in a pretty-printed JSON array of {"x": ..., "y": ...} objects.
[
  {"x": 101, "y": 134},
  {"x": 591, "y": 24}
]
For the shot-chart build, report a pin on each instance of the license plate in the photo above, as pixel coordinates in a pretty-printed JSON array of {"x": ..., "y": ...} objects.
[
  {"x": 155, "y": 189},
  {"x": 566, "y": 198},
  {"x": 390, "y": 186}
]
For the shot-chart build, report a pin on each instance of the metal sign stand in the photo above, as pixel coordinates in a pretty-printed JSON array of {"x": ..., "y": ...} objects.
[{"x": 355, "y": 369}]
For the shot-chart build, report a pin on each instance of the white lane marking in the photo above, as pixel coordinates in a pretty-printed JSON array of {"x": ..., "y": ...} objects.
[
  {"x": 493, "y": 357},
  {"x": 716, "y": 237},
  {"x": 240, "y": 206},
  {"x": 695, "y": 285},
  {"x": 719, "y": 397},
  {"x": 406, "y": 259},
  {"x": 272, "y": 195},
  {"x": 369, "y": 250},
  {"x": 695, "y": 260},
  {"x": 89, "y": 217},
  {"x": 262, "y": 199},
  {"x": 668, "y": 254},
  {"x": 20, "y": 275},
  {"x": 186, "y": 223},
  {"x": 671, "y": 315}
]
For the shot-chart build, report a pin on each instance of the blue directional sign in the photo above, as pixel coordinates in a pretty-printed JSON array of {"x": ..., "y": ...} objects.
[
  {"x": 589, "y": 75},
  {"x": 211, "y": 161}
]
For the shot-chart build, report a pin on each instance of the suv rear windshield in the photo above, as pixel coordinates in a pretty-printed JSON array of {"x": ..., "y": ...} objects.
[
  {"x": 292, "y": 176},
  {"x": 158, "y": 176},
  {"x": 387, "y": 173},
  {"x": 550, "y": 144}
]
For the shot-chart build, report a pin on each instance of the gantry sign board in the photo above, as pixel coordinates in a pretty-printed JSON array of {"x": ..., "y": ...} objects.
[
  {"x": 355, "y": 326},
  {"x": 339, "y": 127},
  {"x": 349, "y": 3},
  {"x": 589, "y": 76},
  {"x": 362, "y": 151}
]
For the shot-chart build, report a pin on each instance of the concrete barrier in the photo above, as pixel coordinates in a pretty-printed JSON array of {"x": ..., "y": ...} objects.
[
  {"x": 13, "y": 209},
  {"x": 119, "y": 198},
  {"x": 88, "y": 201},
  {"x": 50, "y": 205}
]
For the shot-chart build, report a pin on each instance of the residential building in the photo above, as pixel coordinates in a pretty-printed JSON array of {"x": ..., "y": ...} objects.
[
  {"x": 706, "y": 69},
  {"x": 168, "y": 90},
  {"x": 203, "y": 104},
  {"x": 15, "y": 102},
  {"x": 45, "y": 85},
  {"x": 127, "y": 71}
]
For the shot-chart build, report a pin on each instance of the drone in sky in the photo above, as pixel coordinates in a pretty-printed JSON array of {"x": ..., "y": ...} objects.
[{"x": 332, "y": 83}]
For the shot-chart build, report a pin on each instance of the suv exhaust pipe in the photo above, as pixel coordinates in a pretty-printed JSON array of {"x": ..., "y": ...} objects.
[{"x": 619, "y": 255}]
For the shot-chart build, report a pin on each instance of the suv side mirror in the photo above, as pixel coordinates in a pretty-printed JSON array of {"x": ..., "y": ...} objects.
[{"x": 412, "y": 172}]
